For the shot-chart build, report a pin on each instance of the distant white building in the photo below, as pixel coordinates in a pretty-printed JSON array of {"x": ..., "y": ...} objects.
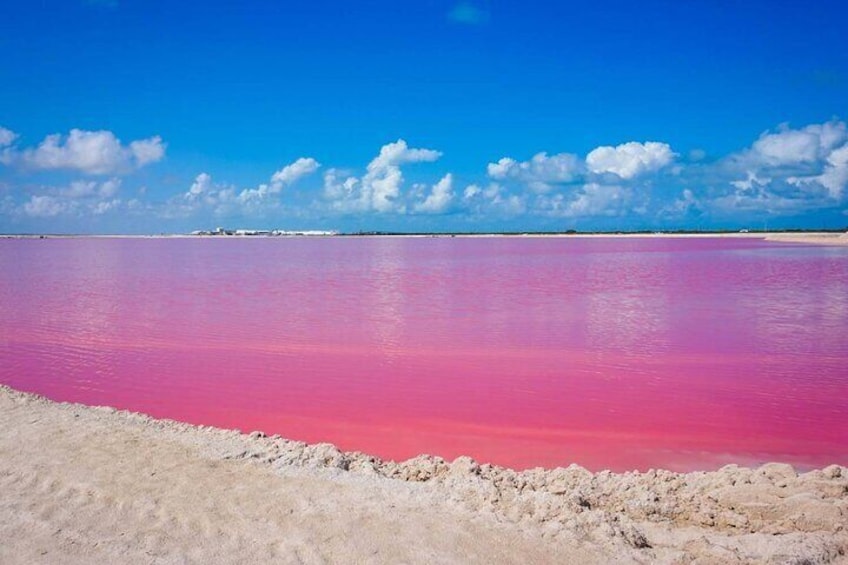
[
  {"x": 253, "y": 232},
  {"x": 250, "y": 232}
]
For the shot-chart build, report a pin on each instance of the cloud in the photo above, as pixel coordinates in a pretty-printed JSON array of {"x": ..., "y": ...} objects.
[
  {"x": 202, "y": 185},
  {"x": 91, "y": 152},
  {"x": 544, "y": 174},
  {"x": 790, "y": 169},
  {"x": 493, "y": 199},
  {"x": 834, "y": 178},
  {"x": 339, "y": 190},
  {"x": 379, "y": 189},
  {"x": 471, "y": 191},
  {"x": 224, "y": 198},
  {"x": 784, "y": 171},
  {"x": 749, "y": 183},
  {"x": 384, "y": 190},
  {"x": 540, "y": 172},
  {"x": 685, "y": 205},
  {"x": 600, "y": 200},
  {"x": 762, "y": 200},
  {"x": 91, "y": 189},
  {"x": 105, "y": 206},
  {"x": 148, "y": 150},
  {"x": 513, "y": 204},
  {"x": 631, "y": 159},
  {"x": 793, "y": 146},
  {"x": 696, "y": 155},
  {"x": 78, "y": 197},
  {"x": 110, "y": 187},
  {"x": 45, "y": 206},
  {"x": 592, "y": 199},
  {"x": 202, "y": 194},
  {"x": 293, "y": 172},
  {"x": 835, "y": 175},
  {"x": 502, "y": 168},
  {"x": 439, "y": 198},
  {"x": 286, "y": 176},
  {"x": 7, "y": 137},
  {"x": 468, "y": 14},
  {"x": 610, "y": 181},
  {"x": 398, "y": 153}
]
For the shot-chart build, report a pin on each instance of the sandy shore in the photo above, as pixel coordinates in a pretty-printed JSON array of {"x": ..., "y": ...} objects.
[
  {"x": 821, "y": 238},
  {"x": 827, "y": 238},
  {"x": 80, "y": 484}
]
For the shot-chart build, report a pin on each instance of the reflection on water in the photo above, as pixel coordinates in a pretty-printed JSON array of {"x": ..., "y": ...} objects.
[
  {"x": 637, "y": 303},
  {"x": 385, "y": 293},
  {"x": 621, "y": 353}
]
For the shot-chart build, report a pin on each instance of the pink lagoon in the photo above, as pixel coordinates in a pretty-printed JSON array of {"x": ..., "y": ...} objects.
[{"x": 613, "y": 353}]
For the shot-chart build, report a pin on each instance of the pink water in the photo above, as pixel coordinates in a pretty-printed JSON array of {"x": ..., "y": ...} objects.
[{"x": 611, "y": 353}]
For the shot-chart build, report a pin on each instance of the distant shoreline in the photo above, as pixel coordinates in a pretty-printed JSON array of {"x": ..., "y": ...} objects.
[{"x": 821, "y": 237}]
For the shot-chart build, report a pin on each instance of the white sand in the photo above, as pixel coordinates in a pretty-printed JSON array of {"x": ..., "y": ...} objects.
[
  {"x": 94, "y": 485},
  {"x": 828, "y": 238},
  {"x": 823, "y": 238}
]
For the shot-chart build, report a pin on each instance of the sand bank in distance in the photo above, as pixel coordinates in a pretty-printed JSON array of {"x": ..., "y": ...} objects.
[
  {"x": 822, "y": 238},
  {"x": 81, "y": 484}
]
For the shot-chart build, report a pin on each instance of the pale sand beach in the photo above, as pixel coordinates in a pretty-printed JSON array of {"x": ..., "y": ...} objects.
[
  {"x": 96, "y": 485},
  {"x": 827, "y": 238},
  {"x": 821, "y": 238}
]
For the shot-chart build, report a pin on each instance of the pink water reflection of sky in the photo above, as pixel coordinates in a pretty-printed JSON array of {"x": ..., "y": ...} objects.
[{"x": 612, "y": 353}]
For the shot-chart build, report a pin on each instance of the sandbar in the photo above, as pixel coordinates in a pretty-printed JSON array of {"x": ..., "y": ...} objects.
[{"x": 810, "y": 237}]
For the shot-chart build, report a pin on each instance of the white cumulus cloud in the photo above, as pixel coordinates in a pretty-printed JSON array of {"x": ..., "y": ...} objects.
[
  {"x": 834, "y": 178},
  {"x": 379, "y": 189},
  {"x": 630, "y": 159},
  {"x": 223, "y": 198},
  {"x": 835, "y": 175},
  {"x": 337, "y": 189},
  {"x": 471, "y": 191},
  {"x": 792, "y": 146},
  {"x": 7, "y": 137},
  {"x": 593, "y": 199},
  {"x": 105, "y": 206},
  {"x": 286, "y": 176},
  {"x": 148, "y": 150},
  {"x": 78, "y": 197},
  {"x": 203, "y": 193},
  {"x": 92, "y": 152},
  {"x": 293, "y": 172},
  {"x": 800, "y": 166},
  {"x": 750, "y": 182},
  {"x": 439, "y": 198},
  {"x": 540, "y": 172},
  {"x": 398, "y": 153},
  {"x": 201, "y": 185},
  {"x": 90, "y": 189},
  {"x": 686, "y": 204},
  {"x": 45, "y": 206},
  {"x": 493, "y": 198}
]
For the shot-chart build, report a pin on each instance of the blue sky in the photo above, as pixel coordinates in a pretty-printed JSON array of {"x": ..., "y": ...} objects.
[{"x": 130, "y": 116}]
